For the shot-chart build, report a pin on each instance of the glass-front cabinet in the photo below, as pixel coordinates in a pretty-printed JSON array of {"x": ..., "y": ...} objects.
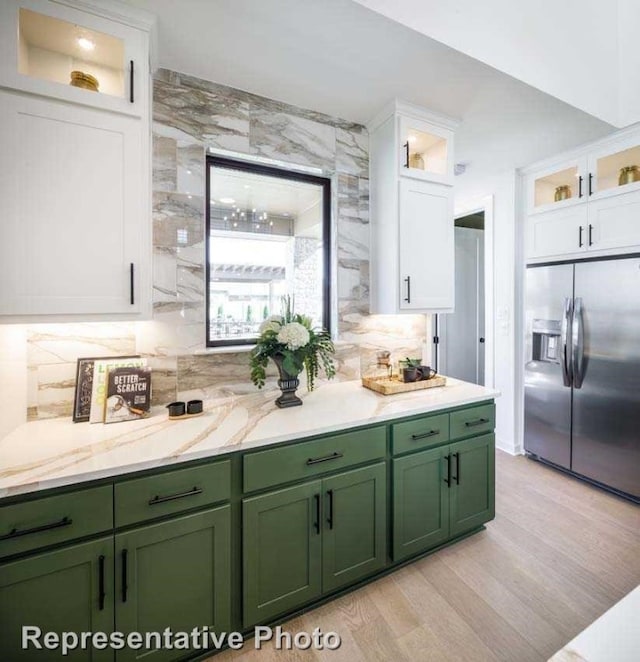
[
  {"x": 58, "y": 51},
  {"x": 425, "y": 150},
  {"x": 615, "y": 168},
  {"x": 558, "y": 186}
]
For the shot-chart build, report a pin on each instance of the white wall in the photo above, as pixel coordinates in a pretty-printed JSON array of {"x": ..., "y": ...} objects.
[
  {"x": 502, "y": 187},
  {"x": 629, "y": 55},
  {"x": 13, "y": 377},
  {"x": 568, "y": 49}
]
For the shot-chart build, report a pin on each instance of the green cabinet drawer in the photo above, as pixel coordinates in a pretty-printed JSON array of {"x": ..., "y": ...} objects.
[
  {"x": 172, "y": 492},
  {"x": 55, "y": 519},
  {"x": 472, "y": 421},
  {"x": 423, "y": 432},
  {"x": 310, "y": 458}
]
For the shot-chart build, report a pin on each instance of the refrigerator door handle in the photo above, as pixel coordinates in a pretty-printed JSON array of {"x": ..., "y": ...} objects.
[
  {"x": 577, "y": 343},
  {"x": 567, "y": 375}
]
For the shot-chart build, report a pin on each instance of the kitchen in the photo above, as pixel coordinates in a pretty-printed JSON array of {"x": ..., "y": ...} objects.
[{"x": 211, "y": 114}]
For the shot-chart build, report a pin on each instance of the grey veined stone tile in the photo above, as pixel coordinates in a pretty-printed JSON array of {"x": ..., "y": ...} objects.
[
  {"x": 164, "y": 163},
  {"x": 292, "y": 139},
  {"x": 352, "y": 152},
  {"x": 178, "y": 220},
  {"x": 213, "y": 119}
]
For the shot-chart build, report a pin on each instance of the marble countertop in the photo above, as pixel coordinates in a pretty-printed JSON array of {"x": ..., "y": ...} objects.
[
  {"x": 615, "y": 636},
  {"x": 56, "y": 452}
]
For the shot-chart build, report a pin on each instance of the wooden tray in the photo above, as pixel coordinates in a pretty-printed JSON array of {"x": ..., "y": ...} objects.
[{"x": 391, "y": 385}]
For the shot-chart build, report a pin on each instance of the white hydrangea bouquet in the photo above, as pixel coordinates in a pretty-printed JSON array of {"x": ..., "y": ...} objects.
[{"x": 294, "y": 345}]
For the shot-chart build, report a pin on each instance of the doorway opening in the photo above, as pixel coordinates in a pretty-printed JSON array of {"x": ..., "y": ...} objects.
[{"x": 462, "y": 334}]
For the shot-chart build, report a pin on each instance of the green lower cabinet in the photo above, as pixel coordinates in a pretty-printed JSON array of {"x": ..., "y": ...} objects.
[
  {"x": 303, "y": 541},
  {"x": 355, "y": 525},
  {"x": 69, "y": 590},
  {"x": 174, "y": 574},
  {"x": 282, "y": 551},
  {"x": 420, "y": 502},
  {"x": 472, "y": 500}
]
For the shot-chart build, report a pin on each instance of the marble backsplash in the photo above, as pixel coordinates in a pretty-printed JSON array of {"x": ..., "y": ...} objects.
[{"x": 190, "y": 117}]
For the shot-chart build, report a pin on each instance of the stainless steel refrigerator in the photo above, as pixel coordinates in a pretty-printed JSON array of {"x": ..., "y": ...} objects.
[{"x": 582, "y": 372}]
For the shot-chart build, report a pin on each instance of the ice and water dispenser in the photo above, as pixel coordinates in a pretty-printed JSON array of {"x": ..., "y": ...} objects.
[{"x": 547, "y": 345}]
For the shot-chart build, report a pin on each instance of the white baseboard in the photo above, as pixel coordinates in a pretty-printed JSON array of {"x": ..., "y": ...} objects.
[{"x": 508, "y": 447}]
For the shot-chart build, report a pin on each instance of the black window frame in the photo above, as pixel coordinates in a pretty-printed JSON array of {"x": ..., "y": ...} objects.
[{"x": 281, "y": 173}]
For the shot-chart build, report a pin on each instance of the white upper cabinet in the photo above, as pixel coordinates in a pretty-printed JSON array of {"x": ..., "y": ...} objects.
[
  {"x": 74, "y": 235},
  {"x": 425, "y": 150},
  {"x": 412, "y": 238},
  {"x": 75, "y": 171},
  {"x": 615, "y": 167},
  {"x": 558, "y": 186},
  {"x": 588, "y": 203},
  {"x": 43, "y": 42},
  {"x": 426, "y": 246}
]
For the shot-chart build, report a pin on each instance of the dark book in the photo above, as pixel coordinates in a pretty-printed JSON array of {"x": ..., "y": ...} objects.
[{"x": 128, "y": 394}]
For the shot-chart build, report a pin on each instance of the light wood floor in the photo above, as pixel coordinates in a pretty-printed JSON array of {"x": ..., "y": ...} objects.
[{"x": 557, "y": 556}]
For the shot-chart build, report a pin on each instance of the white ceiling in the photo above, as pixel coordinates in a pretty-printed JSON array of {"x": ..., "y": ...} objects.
[
  {"x": 263, "y": 193},
  {"x": 337, "y": 57}
]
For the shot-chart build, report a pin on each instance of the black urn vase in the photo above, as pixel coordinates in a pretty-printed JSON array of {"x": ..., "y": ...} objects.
[{"x": 287, "y": 384}]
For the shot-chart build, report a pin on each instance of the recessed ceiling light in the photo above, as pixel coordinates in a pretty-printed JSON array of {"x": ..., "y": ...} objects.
[
  {"x": 271, "y": 223},
  {"x": 253, "y": 210},
  {"x": 235, "y": 225},
  {"x": 86, "y": 44},
  {"x": 188, "y": 172},
  {"x": 227, "y": 201}
]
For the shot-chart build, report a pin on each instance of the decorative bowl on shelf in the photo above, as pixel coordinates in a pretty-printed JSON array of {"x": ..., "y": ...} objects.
[{"x": 85, "y": 81}]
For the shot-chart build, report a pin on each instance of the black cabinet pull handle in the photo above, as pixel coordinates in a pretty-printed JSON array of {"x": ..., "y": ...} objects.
[
  {"x": 407, "y": 280},
  {"x": 406, "y": 152},
  {"x": 580, "y": 178},
  {"x": 580, "y": 229},
  {"x": 132, "y": 296},
  {"x": 172, "y": 497},
  {"x": 124, "y": 575},
  {"x": 16, "y": 533},
  {"x": 590, "y": 234},
  {"x": 424, "y": 435},
  {"x": 478, "y": 421},
  {"x": 316, "y": 524},
  {"x": 101, "y": 593},
  {"x": 447, "y": 480},
  {"x": 131, "y": 81},
  {"x": 590, "y": 184},
  {"x": 330, "y": 515},
  {"x": 316, "y": 460},
  {"x": 457, "y": 476}
]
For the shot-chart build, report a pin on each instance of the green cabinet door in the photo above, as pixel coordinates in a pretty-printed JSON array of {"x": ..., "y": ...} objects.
[
  {"x": 472, "y": 499},
  {"x": 354, "y": 525},
  {"x": 281, "y": 551},
  {"x": 174, "y": 574},
  {"x": 420, "y": 502},
  {"x": 69, "y": 590}
]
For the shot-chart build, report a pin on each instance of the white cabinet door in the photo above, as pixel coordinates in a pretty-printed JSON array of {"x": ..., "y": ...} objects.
[
  {"x": 426, "y": 247},
  {"x": 72, "y": 210},
  {"x": 41, "y": 43},
  {"x": 614, "y": 222},
  {"x": 559, "y": 186},
  {"x": 425, "y": 151},
  {"x": 557, "y": 233}
]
